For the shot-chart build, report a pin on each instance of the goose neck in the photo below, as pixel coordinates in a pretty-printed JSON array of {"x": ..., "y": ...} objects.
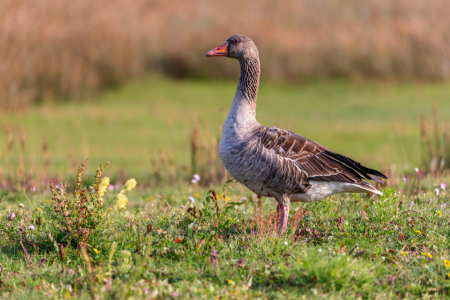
[
  {"x": 249, "y": 79},
  {"x": 241, "y": 118}
]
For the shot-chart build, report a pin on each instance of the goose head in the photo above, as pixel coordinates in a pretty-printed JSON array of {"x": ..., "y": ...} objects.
[{"x": 236, "y": 46}]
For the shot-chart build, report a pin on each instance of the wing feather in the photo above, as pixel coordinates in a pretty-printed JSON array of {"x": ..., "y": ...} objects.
[{"x": 316, "y": 161}]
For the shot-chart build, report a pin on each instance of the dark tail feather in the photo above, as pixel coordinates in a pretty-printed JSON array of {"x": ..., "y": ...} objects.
[
  {"x": 367, "y": 173},
  {"x": 373, "y": 172},
  {"x": 375, "y": 178}
]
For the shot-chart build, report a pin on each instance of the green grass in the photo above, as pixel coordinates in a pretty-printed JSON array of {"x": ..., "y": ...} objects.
[
  {"x": 342, "y": 247},
  {"x": 334, "y": 250},
  {"x": 374, "y": 123}
]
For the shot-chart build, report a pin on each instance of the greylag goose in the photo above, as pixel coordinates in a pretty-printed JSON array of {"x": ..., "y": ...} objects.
[{"x": 278, "y": 163}]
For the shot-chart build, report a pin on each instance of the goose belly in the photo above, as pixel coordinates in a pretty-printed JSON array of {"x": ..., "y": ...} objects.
[
  {"x": 320, "y": 190},
  {"x": 245, "y": 166}
]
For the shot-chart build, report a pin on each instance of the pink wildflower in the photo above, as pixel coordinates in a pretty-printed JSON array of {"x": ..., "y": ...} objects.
[
  {"x": 419, "y": 173},
  {"x": 213, "y": 258}
]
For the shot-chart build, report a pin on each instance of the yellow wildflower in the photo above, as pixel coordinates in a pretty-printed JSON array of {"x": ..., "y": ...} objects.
[
  {"x": 231, "y": 219},
  {"x": 150, "y": 199},
  {"x": 418, "y": 231},
  {"x": 403, "y": 253},
  {"x": 298, "y": 259},
  {"x": 121, "y": 201},
  {"x": 427, "y": 254},
  {"x": 102, "y": 188},
  {"x": 196, "y": 195},
  {"x": 227, "y": 198},
  {"x": 447, "y": 263},
  {"x": 96, "y": 251},
  {"x": 439, "y": 213},
  {"x": 230, "y": 282},
  {"x": 130, "y": 184}
]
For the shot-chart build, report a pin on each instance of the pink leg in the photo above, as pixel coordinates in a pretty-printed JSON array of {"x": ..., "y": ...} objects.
[{"x": 282, "y": 214}]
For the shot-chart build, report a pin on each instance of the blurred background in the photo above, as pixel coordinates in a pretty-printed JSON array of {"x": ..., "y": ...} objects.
[{"x": 128, "y": 82}]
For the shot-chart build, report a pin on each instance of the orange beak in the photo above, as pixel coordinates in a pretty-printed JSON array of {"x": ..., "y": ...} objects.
[{"x": 219, "y": 51}]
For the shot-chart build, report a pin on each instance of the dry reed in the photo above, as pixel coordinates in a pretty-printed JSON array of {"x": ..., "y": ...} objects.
[
  {"x": 55, "y": 49},
  {"x": 435, "y": 155}
]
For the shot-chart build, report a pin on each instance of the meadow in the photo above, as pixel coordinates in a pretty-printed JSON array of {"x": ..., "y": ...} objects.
[
  {"x": 145, "y": 128},
  {"x": 169, "y": 238},
  {"x": 125, "y": 85}
]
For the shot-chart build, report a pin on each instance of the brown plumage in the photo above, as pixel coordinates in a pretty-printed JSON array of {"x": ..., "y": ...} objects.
[
  {"x": 274, "y": 162},
  {"x": 319, "y": 163}
]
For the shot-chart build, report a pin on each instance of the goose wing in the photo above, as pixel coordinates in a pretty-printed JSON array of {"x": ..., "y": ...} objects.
[{"x": 319, "y": 163}]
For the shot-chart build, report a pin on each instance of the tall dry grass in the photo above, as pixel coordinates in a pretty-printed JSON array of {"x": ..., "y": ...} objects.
[
  {"x": 435, "y": 144},
  {"x": 56, "y": 48}
]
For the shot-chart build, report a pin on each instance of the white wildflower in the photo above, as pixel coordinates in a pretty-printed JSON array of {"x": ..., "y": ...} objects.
[{"x": 436, "y": 191}]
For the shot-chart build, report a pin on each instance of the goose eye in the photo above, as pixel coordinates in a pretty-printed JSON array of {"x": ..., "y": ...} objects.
[{"x": 235, "y": 41}]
